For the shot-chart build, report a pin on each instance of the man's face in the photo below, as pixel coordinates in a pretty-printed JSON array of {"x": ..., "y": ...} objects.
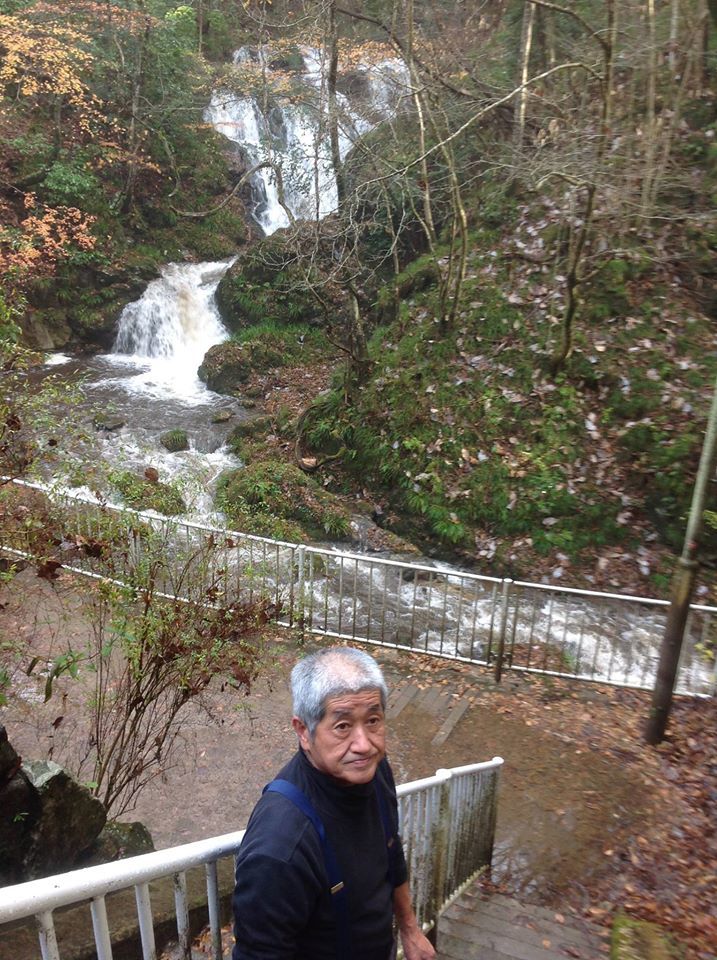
[{"x": 350, "y": 741}]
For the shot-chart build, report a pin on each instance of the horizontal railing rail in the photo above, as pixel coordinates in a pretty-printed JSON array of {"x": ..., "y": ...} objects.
[
  {"x": 447, "y": 822},
  {"x": 436, "y": 610}
]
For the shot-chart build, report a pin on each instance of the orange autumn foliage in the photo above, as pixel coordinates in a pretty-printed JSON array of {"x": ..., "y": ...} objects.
[{"x": 44, "y": 237}]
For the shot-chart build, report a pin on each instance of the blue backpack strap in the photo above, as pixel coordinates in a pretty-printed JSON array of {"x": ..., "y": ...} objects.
[{"x": 337, "y": 889}]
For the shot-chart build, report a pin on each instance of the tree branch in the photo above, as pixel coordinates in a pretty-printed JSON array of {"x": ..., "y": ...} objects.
[
  {"x": 576, "y": 16},
  {"x": 238, "y": 185}
]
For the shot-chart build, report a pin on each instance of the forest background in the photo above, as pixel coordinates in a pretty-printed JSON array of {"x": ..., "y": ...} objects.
[{"x": 519, "y": 278}]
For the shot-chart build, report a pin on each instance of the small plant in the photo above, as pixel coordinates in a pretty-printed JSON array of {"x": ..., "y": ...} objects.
[
  {"x": 163, "y": 627},
  {"x": 175, "y": 440}
]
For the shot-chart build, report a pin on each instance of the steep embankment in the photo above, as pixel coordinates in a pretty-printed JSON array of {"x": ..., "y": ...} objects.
[{"x": 468, "y": 440}]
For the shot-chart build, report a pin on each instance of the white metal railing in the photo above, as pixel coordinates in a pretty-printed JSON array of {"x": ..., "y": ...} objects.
[
  {"x": 447, "y": 823},
  {"x": 539, "y": 628}
]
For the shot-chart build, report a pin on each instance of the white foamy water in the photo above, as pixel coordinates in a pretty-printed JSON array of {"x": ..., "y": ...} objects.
[
  {"x": 169, "y": 329},
  {"x": 56, "y": 359}
]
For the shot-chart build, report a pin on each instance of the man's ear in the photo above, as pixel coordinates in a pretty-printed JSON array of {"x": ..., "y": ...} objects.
[{"x": 302, "y": 732}]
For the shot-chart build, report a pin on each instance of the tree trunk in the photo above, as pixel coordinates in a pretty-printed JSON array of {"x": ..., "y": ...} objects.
[
  {"x": 526, "y": 45},
  {"x": 577, "y": 248},
  {"x": 359, "y": 365},
  {"x": 427, "y": 219},
  {"x": 133, "y": 136},
  {"x": 650, "y": 123},
  {"x": 682, "y": 586}
]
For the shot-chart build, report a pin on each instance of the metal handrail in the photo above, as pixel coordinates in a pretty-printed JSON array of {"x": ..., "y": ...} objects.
[
  {"x": 539, "y": 628},
  {"x": 447, "y": 823}
]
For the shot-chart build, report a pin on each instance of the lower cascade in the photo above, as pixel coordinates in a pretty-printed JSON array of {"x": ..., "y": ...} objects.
[{"x": 175, "y": 320}]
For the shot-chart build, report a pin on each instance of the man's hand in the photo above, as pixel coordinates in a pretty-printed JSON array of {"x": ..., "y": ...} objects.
[{"x": 416, "y": 946}]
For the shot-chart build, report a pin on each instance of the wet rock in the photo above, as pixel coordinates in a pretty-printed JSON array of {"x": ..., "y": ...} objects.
[
  {"x": 175, "y": 440},
  {"x": 106, "y": 423},
  {"x": 39, "y": 334},
  {"x": 119, "y": 840},
  {"x": 224, "y": 368},
  {"x": 69, "y": 820},
  {"x": 222, "y": 416}
]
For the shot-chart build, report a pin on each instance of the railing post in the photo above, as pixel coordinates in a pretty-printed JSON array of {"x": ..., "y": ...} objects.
[
  {"x": 441, "y": 843},
  {"x": 48, "y": 939},
  {"x": 503, "y": 629},
  {"x": 301, "y": 553}
]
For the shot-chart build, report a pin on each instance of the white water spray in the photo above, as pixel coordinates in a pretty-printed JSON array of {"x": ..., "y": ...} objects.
[{"x": 170, "y": 328}]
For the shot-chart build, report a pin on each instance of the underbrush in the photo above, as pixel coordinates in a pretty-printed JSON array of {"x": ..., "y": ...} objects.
[
  {"x": 276, "y": 499},
  {"x": 471, "y": 436}
]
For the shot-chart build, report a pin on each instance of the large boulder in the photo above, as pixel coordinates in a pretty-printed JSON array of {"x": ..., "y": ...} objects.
[
  {"x": 225, "y": 367},
  {"x": 119, "y": 840},
  {"x": 68, "y": 823},
  {"x": 19, "y": 808}
]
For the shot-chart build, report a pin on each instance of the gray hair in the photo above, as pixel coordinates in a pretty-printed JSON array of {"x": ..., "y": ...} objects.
[{"x": 332, "y": 672}]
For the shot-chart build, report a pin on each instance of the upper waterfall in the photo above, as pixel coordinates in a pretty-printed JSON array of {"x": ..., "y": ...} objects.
[{"x": 293, "y": 135}]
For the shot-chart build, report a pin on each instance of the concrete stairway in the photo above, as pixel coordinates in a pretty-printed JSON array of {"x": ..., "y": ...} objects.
[{"x": 479, "y": 927}]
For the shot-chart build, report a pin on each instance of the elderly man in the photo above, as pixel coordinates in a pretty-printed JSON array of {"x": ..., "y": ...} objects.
[{"x": 320, "y": 872}]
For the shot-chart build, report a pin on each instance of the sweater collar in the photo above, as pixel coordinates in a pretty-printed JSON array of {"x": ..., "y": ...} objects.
[{"x": 347, "y": 793}]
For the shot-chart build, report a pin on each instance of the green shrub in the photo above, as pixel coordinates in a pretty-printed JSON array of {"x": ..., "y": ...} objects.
[
  {"x": 142, "y": 494},
  {"x": 275, "y": 495},
  {"x": 70, "y": 183}
]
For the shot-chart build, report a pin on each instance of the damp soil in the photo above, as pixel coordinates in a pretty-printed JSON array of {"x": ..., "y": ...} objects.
[{"x": 560, "y": 803}]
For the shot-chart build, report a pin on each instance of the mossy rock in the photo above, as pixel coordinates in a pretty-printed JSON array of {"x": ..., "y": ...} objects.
[
  {"x": 143, "y": 494},
  {"x": 267, "y": 284},
  {"x": 120, "y": 840},
  {"x": 641, "y": 940},
  {"x": 223, "y": 416},
  {"x": 175, "y": 440},
  {"x": 276, "y": 495},
  {"x": 249, "y": 429},
  {"x": 225, "y": 367}
]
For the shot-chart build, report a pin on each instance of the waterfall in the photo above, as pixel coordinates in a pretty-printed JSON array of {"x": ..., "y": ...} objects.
[
  {"x": 172, "y": 325},
  {"x": 295, "y": 136}
]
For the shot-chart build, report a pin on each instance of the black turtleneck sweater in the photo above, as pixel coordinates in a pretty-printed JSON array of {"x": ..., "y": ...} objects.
[{"x": 282, "y": 906}]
